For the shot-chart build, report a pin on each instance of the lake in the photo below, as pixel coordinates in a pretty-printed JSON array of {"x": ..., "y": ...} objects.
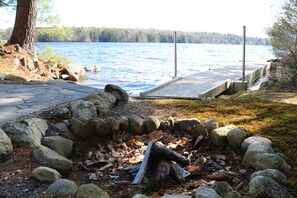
[{"x": 137, "y": 67}]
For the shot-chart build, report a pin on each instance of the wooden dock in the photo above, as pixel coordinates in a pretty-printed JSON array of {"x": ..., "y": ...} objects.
[{"x": 207, "y": 84}]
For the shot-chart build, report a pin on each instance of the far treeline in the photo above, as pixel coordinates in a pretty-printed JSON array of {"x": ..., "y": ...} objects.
[{"x": 94, "y": 34}]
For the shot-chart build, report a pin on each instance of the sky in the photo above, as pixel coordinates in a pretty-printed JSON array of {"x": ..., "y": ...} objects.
[{"x": 221, "y": 16}]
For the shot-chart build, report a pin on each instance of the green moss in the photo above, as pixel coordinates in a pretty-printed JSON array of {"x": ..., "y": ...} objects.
[{"x": 276, "y": 121}]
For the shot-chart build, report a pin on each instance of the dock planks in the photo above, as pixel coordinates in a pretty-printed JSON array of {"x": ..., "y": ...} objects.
[{"x": 207, "y": 84}]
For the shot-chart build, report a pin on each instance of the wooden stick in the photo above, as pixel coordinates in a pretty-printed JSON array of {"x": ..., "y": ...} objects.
[
  {"x": 170, "y": 154},
  {"x": 144, "y": 164}
]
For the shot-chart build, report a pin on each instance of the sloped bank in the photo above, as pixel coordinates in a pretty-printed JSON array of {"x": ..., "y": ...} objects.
[{"x": 89, "y": 118}]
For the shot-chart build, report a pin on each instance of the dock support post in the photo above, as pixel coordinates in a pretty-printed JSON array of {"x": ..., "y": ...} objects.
[
  {"x": 243, "y": 55},
  {"x": 175, "y": 56}
]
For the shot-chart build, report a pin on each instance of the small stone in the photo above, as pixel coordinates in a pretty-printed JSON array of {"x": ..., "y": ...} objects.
[
  {"x": 235, "y": 137},
  {"x": 253, "y": 140},
  {"x": 218, "y": 136},
  {"x": 63, "y": 187},
  {"x": 45, "y": 174},
  {"x": 83, "y": 109},
  {"x": 152, "y": 123},
  {"x": 223, "y": 189},
  {"x": 136, "y": 124},
  {"x": 124, "y": 123},
  {"x": 205, "y": 192},
  {"x": 113, "y": 124},
  {"x": 90, "y": 190},
  {"x": 100, "y": 126}
]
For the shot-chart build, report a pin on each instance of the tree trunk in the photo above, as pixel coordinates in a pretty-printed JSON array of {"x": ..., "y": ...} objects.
[{"x": 24, "y": 26}]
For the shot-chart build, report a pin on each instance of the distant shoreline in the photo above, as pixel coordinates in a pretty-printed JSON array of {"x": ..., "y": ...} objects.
[{"x": 95, "y": 34}]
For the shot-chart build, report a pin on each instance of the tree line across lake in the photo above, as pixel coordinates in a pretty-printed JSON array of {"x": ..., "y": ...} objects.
[{"x": 94, "y": 34}]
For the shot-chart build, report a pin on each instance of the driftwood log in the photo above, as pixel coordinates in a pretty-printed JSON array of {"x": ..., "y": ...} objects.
[{"x": 157, "y": 151}]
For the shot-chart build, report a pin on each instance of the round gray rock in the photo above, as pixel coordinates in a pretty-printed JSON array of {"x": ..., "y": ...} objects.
[
  {"x": 254, "y": 152},
  {"x": 52, "y": 159},
  {"x": 225, "y": 190},
  {"x": 152, "y": 123},
  {"x": 103, "y": 101},
  {"x": 100, "y": 126},
  {"x": 218, "y": 136},
  {"x": 81, "y": 128},
  {"x": 121, "y": 95},
  {"x": 235, "y": 137},
  {"x": 274, "y": 174},
  {"x": 26, "y": 133},
  {"x": 124, "y": 123},
  {"x": 90, "y": 190},
  {"x": 254, "y": 140},
  {"x": 46, "y": 174},
  {"x": 56, "y": 114},
  {"x": 63, "y": 187},
  {"x": 210, "y": 125},
  {"x": 136, "y": 124},
  {"x": 265, "y": 187},
  {"x": 271, "y": 160},
  {"x": 83, "y": 109},
  {"x": 63, "y": 130},
  {"x": 6, "y": 148},
  {"x": 205, "y": 192},
  {"x": 191, "y": 126},
  {"x": 113, "y": 124},
  {"x": 61, "y": 145},
  {"x": 139, "y": 196}
]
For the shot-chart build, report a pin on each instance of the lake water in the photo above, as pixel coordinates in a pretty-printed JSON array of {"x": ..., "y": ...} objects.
[{"x": 137, "y": 67}]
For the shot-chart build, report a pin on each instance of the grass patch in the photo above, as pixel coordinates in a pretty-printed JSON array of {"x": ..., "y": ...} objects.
[
  {"x": 276, "y": 121},
  {"x": 50, "y": 54}
]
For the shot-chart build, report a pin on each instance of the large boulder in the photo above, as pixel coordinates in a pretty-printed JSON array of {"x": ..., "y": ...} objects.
[
  {"x": 75, "y": 72},
  {"x": 218, "y": 136},
  {"x": 61, "y": 145},
  {"x": 254, "y": 153},
  {"x": 81, "y": 128},
  {"x": 261, "y": 186},
  {"x": 52, "y": 159},
  {"x": 225, "y": 190},
  {"x": 82, "y": 109},
  {"x": 205, "y": 192},
  {"x": 46, "y": 174},
  {"x": 274, "y": 174},
  {"x": 151, "y": 123},
  {"x": 100, "y": 127},
  {"x": 235, "y": 137},
  {"x": 26, "y": 133},
  {"x": 90, "y": 190},
  {"x": 103, "y": 101},
  {"x": 6, "y": 148},
  {"x": 120, "y": 94},
  {"x": 253, "y": 140},
  {"x": 62, "y": 187},
  {"x": 136, "y": 124},
  {"x": 56, "y": 114}
]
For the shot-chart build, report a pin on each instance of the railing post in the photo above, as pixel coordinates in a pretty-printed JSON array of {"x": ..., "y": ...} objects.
[
  {"x": 243, "y": 55},
  {"x": 175, "y": 56}
]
